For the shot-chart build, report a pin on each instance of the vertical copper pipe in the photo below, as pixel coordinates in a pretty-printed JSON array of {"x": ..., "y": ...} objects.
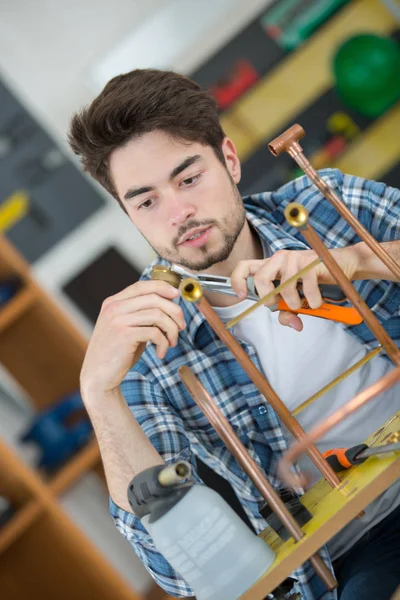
[
  {"x": 327, "y": 424},
  {"x": 297, "y": 216},
  {"x": 248, "y": 464},
  {"x": 289, "y": 142},
  {"x": 188, "y": 285}
]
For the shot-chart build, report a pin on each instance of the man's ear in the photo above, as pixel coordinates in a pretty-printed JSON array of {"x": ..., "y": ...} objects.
[{"x": 231, "y": 159}]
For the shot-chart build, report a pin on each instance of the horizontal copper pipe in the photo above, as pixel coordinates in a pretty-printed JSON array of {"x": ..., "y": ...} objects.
[
  {"x": 248, "y": 464},
  {"x": 285, "y": 463},
  {"x": 297, "y": 215},
  {"x": 260, "y": 382},
  {"x": 289, "y": 142}
]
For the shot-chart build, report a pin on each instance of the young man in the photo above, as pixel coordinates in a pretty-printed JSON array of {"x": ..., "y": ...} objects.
[{"x": 154, "y": 141}]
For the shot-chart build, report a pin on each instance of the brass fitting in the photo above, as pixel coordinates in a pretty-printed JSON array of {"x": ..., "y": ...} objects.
[
  {"x": 165, "y": 273},
  {"x": 191, "y": 290},
  {"x": 296, "y": 215}
]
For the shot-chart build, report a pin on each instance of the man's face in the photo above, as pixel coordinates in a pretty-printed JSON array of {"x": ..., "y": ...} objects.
[{"x": 182, "y": 199}]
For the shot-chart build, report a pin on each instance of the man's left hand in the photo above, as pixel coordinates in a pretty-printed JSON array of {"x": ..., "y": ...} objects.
[{"x": 285, "y": 263}]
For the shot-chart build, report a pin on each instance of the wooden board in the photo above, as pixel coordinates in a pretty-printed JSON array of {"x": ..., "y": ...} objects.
[{"x": 332, "y": 510}]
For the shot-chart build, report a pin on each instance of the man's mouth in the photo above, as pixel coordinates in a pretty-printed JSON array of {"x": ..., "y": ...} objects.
[{"x": 196, "y": 237}]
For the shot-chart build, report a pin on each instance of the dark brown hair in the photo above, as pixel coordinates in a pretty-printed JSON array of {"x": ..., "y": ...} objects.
[{"x": 138, "y": 102}]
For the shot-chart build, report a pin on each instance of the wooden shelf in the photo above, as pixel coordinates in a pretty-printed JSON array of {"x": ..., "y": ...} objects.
[
  {"x": 18, "y": 523},
  {"x": 88, "y": 458},
  {"x": 16, "y": 307},
  {"x": 375, "y": 151},
  {"x": 299, "y": 79}
]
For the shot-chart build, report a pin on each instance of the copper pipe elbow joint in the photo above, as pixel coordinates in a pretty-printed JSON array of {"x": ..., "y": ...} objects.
[{"x": 287, "y": 141}]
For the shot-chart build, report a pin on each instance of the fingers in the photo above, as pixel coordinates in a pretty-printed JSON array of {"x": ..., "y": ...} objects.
[
  {"x": 289, "y": 268},
  {"x": 144, "y": 312},
  {"x": 141, "y": 288},
  {"x": 154, "y": 317},
  {"x": 148, "y": 301},
  {"x": 150, "y": 334},
  {"x": 290, "y": 320},
  {"x": 243, "y": 270},
  {"x": 311, "y": 289},
  {"x": 291, "y": 479},
  {"x": 283, "y": 265}
]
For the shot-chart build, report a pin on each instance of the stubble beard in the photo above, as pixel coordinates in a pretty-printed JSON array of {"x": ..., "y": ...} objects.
[{"x": 229, "y": 228}]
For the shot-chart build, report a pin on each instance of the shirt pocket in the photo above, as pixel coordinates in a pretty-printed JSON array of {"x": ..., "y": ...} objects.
[{"x": 241, "y": 422}]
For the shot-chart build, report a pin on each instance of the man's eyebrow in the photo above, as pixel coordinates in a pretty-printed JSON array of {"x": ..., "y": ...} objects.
[
  {"x": 190, "y": 160},
  {"x": 137, "y": 191}
]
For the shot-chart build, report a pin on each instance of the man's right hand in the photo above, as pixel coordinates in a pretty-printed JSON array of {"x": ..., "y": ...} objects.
[{"x": 143, "y": 312}]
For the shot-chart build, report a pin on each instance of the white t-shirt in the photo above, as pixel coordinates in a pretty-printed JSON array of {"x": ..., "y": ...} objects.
[{"x": 298, "y": 364}]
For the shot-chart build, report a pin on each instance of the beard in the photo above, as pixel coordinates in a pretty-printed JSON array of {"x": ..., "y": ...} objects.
[{"x": 230, "y": 228}]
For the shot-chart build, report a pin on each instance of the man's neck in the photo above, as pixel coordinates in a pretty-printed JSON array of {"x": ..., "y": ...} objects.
[{"x": 247, "y": 247}]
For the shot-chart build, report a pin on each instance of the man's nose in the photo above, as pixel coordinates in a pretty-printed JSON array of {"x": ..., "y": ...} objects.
[{"x": 179, "y": 210}]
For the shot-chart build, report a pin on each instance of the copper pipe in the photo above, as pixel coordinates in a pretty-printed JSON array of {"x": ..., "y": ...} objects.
[
  {"x": 297, "y": 216},
  {"x": 285, "y": 463},
  {"x": 289, "y": 142},
  {"x": 259, "y": 381},
  {"x": 248, "y": 464},
  {"x": 360, "y": 363}
]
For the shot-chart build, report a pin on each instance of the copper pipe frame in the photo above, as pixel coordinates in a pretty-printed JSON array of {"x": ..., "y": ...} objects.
[
  {"x": 286, "y": 462},
  {"x": 297, "y": 215},
  {"x": 288, "y": 142},
  {"x": 248, "y": 464},
  {"x": 261, "y": 383}
]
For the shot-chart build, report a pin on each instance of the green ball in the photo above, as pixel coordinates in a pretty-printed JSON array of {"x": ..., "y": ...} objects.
[{"x": 367, "y": 73}]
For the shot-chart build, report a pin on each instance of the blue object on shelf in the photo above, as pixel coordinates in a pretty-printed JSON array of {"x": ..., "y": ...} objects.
[
  {"x": 58, "y": 439},
  {"x": 8, "y": 288}
]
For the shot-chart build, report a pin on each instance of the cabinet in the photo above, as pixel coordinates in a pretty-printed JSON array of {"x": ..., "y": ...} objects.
[{"x": 43, "y": 554}]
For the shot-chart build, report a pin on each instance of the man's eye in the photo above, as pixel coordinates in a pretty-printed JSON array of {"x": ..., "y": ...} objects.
[
  {"x": 146, "y": 204},
  {"x": 191, "y": 180}
]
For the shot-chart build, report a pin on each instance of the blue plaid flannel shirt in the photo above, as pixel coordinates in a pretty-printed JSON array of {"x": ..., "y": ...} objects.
[{"x": 171, "y": 419}]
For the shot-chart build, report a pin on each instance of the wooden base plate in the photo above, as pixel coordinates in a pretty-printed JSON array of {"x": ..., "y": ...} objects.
[{"x": 332, "y": 509}]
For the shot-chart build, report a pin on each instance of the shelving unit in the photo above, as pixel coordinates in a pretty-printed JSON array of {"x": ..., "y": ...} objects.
[
  {"x": 43, "y": 554},
  {"x": 23, "y": 300},
  {"x": 300, "y": 78},
  {"x": 87, "y": 459},
  {"x": 19, "y": 523}
]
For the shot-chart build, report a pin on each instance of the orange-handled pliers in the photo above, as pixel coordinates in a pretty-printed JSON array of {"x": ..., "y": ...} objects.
[
  {"x": 344, "y": 458},
  {"x": 328, "y": 310},
  {"x": 332, "y": 295}
]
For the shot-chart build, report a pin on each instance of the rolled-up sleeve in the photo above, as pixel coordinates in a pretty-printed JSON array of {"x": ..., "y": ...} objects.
[
  {"x": 378, "y": 206},
  {"x": 379, "y": 210}
]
